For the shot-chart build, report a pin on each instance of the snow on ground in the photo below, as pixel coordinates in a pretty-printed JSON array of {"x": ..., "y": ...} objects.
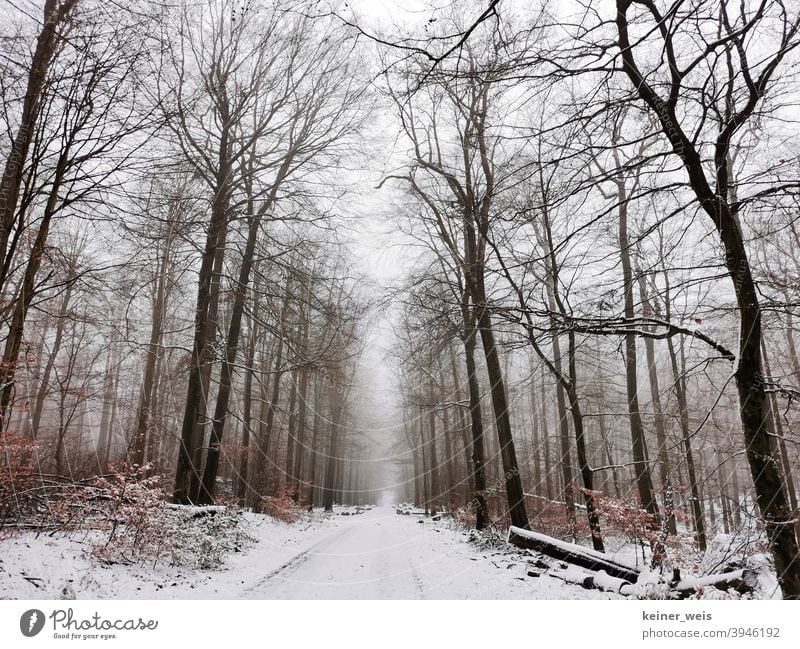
[{"x": 374, "y": 555}]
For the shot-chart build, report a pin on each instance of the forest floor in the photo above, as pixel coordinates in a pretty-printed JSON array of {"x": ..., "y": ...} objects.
[{"x": 377, "y": 554}]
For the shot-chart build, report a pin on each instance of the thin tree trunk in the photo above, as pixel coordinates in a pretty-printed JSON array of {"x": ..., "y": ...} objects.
[
  {"x": 476, "y": 418},
  {"x": 329, "y": 481},
  {"x": 290, "y": 436},
  {"x": 775, "y": 415},
  {"x": 143, "y": 416},
  {"x": 247, "y": 417},
  {"x": 434, "y": 472},
  {"x": 548, "y": 467},
  {"x": 683, "y": 409},
  {"x": 313, "y": 460},
  {"x": 644, "y": 481},
  {"x": 661, "y": 429},
  {"x": 464, "y": 427},
  {"x": 536, "y": 476}
]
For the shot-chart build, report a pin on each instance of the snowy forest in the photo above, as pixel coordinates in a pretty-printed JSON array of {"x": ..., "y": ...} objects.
[{"x": 503, "y": 295}]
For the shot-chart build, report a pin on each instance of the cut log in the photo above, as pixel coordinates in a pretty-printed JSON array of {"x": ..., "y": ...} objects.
[
  {"x": 599, "y": 580},
  {"x": 571, "y": 553},
  {"x": 742, "y": 581},
  {"x": 603, "y": 581},
  {"x": 573, "y": 575}
]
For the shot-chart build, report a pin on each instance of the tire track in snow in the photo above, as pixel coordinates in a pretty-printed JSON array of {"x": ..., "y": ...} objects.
[{"x": 296, "y": 561}]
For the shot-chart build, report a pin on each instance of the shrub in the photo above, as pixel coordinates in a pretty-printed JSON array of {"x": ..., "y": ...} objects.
[
  {"x": 283, "y": 507},
  {"x": 143, "y": 528},
  {"x": 18, "y": 498}
]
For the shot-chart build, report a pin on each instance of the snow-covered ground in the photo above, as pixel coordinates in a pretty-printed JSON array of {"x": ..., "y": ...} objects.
[{"x": 375, "y": 555}]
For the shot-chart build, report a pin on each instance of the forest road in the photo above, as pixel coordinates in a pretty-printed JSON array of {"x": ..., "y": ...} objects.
[{"x": 375, "y": 555}]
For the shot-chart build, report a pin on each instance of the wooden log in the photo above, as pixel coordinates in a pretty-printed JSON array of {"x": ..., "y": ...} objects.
[
  {"x": 742, "y": 581},
  {"x": 603, "y": 581},
  {"x": 599, "y": 580},
  {"x": 571, "y": 553}
]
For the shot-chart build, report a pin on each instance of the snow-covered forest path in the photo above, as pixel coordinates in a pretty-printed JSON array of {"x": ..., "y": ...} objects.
[
  {"x": 382, "y": 555},
  {"x": 375, "y": 555}
]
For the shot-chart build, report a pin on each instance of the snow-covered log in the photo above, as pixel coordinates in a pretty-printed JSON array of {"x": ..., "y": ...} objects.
[
  {"x": 600, "y": 580},
  {"x": 196, "y": 512},
  {"x": 571, "y": 553},
  {"x": 603, "y": 581},
  {"x": 742, "y": 581},
  {"x": 572, "y": 575}
]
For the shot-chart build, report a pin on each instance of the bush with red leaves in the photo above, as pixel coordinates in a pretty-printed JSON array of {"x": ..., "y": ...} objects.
[
  {"x": 283, "y": 507},
  {"x": 18, "y": 468}
]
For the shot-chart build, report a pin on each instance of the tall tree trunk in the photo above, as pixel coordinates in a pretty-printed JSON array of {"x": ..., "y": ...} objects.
[
  {"x": 300, "y": 446},
  {"x": 424, "y": 464},
  {"x": 292, "y": 431},
  {"x": 497, "y": 388},
  {"x": 315, "y": 434},
  {"x": 143, "y": 416},
  {"x": 104, "y": 441},
  {"x": 536, "y": 474},
  {"x": 476, "y": 418},
  {"x": 644, "y": 481},
  {"x": 436, "y": 492},
  {"x": 205, "y": 493},
  {"x": 448, "y": 457},
  {"x": 679, "y": 386},
  {"x": 152, "y": 458},
  {"x": 661, "y": 429},
  {"x": 580, "y": 446},
  {"x": 329, "y": 481},
  {"x": 187, "y": 473},
  {"x": 545, "y": 427},
  {"x": 567, "y": 383},
  {"x": 783, "y": 452},
  {"x": 464, "y": 427},
  {"x": 561, "y": 400},
  {"x": 268, "y": 424},
  {"x": 242, "y": 484}
]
